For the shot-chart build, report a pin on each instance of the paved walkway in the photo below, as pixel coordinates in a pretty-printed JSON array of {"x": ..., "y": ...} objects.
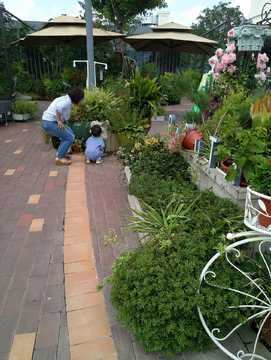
[{"x": 52, "y": 225}]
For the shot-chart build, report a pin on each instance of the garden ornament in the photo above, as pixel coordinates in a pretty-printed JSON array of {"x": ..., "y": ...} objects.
[{"x": 104, "y": 127}]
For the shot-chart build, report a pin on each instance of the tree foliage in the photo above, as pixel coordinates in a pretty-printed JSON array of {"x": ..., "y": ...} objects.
[
  {"x": 211, "y": 18},
  {"x": 123, "y": 12}
]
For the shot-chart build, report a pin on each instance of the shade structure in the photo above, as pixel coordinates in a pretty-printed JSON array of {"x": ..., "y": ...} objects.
[
  {"x": 67, "y": 30},
  {"x": 171, "y": 37}
]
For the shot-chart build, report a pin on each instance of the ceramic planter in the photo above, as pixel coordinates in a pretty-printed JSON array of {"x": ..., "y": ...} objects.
[
  {"x": 265, "y": 208},
  {"x": 225, "y": 164},
  {"x": 23, "y": 117},
  {"x": 81, "y": 131},
  {"x": 190, "y": 139}
]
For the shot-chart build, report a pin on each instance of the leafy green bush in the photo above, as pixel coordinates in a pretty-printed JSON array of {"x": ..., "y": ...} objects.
[
  {"x": 24, "y": 107},
  {"x": 155, "y": 293},
  {"x": 171, "y": 92},
  {"x": 155, "y": 287},
  {"x": 95, "y": 106}
]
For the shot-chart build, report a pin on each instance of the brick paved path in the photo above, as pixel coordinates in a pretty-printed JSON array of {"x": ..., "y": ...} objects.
[{"x": 52, "y": 225}]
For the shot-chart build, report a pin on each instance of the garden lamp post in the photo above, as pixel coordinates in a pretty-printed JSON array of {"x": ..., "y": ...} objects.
[{"x": 90, "y": 45}]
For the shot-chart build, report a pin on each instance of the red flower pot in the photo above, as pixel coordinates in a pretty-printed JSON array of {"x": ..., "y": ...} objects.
[
  {"x": 225, "y": 166},
  {"x": 190, "y": 138},
  {"x": 264, "y": 220}
]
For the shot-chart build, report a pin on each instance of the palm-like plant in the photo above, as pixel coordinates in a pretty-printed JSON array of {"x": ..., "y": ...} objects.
[
  {"x": 144, "y": 94},
  {"x": 156, "y": 227}
]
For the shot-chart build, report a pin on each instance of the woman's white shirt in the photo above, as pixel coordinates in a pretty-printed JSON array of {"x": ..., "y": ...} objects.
[{"x": 63, "y": 105}]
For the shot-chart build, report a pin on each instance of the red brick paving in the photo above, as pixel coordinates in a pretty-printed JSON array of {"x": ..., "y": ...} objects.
[{"x": 31, "y": 263}]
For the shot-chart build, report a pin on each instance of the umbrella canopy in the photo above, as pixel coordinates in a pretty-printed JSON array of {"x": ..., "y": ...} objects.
[
  {"x": 171, "y": 37},
  {"x": 67, "y": 30}
]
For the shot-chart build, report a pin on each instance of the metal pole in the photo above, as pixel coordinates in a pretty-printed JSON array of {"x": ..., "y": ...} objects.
[
  {"x": 5, "y": 46},
  {"x": 90, "y": 45}
]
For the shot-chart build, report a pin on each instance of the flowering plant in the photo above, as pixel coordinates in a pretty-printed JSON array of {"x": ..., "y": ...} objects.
[
  {"x": 260, "y": 179},
  {"x": 78, "y": 77},
  {"x": 229, "y": 71}
]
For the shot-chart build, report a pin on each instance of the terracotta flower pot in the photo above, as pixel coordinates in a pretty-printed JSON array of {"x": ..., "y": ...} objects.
[
  {"x": 266, "y": 330},
  {"x": 190, "y": 138},
  {"x": 148, "y": 121},
  {"x": 76, "y": 149},
  {"x": 265, "y": 221},
  {"x": 225, "y": 164}
]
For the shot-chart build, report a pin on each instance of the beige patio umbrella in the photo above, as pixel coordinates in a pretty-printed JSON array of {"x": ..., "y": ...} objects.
[
  {"x": 67, "y": 30},
  {"x": 171, "y": 37}
]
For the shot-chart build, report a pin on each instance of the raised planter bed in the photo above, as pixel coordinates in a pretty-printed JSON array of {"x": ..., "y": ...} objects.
[
  {"x": 24, "y": 117},
  {"x": 214, "y": 178}
]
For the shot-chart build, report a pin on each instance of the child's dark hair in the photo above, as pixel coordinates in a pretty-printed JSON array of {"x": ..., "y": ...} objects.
[
  {"x": 96, "y": 130},
  {"x": 76, "y": 95}
]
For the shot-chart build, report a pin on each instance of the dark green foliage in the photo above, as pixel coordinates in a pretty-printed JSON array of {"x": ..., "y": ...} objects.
[
  {"x": 155, "y": 293},
  {"x": 155, "y": 288}
]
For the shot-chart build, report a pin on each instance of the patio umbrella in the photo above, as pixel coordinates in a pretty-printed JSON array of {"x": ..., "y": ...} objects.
[
  {"x": 67, "y": 30},
  {"x": 171, "y": 37}
]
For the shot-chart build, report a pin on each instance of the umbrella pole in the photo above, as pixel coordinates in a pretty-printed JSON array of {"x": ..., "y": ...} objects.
[{"x": 90, "y": 45}]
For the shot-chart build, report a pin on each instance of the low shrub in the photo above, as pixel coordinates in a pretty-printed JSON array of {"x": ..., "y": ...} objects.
[
  {"x": 156, "y": 294},
  {"x": 155, "y": 286}
]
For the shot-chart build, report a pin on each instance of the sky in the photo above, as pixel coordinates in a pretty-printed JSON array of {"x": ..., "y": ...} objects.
[{"x": 182, "y": 12}]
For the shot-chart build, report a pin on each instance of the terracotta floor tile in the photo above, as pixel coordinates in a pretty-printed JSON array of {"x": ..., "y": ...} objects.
[
  {"x": 73, "y": 208},
  {"x": 21, "y": 168},
  {"x": 16, "y": 139},
  {"x": 75, "y": 198},
  {"x": 86, "y": 316},
  {"x": 44, "y": 154},
  {"x": 77, "y": 219},
  {"x": 34, "y": 199},
  {"x": 81, "y": 276},
  {"x": 74, "y": 185},
  {"x": 79, "y": 213},
  {"x": 49, "y": 186},
  {"x": 73, "y": 248},
  {"x": 89, "y": 332},
  {"x": 85, "y": 287},
  {"x": 77, "y": 239},
  {"x": 20, "y": 147},
  {"x": 76, "y": 232},
  {"x": 68, "y": 258},
  {"x": 94, "y": 350},
  {"x": 84, "y": 301},
  {"x": 38, "y": 142},
  {"x": 26, "y": 220},
  {"x": 17, "y": 152},
  {"x": 10, "y": 172},
  {"x": 22, "y": 347},
  {"x": 53, "y": 173},
  {"x": 36, "y": 225},
  {"x": 83, "y": 225},
  {"x": 79, "y": 266}
]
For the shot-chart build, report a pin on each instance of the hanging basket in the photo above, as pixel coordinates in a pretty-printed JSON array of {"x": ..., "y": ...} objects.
[{"x": 190, "y": 139}]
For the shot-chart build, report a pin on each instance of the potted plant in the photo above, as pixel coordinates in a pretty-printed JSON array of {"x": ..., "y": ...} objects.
[
  {"x": 145, "y": 95},
  {"x": 246, "y": 147},
  {"x": 24, "y": 110},
  {"x": 260, "y": 182}
]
